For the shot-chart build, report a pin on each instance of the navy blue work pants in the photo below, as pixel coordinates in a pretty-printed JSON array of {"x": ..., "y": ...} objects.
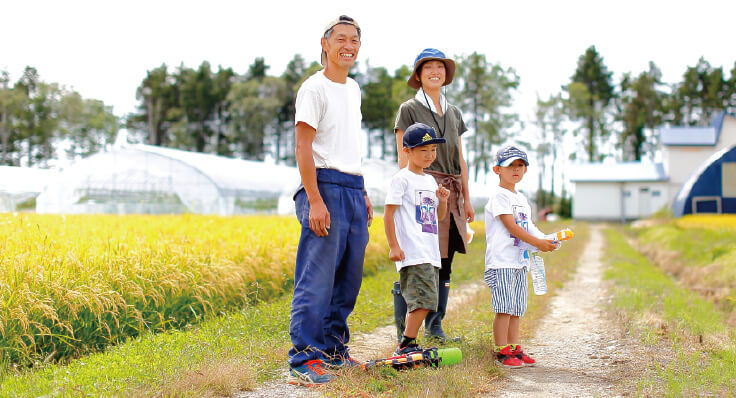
[{"x": 329, "y": 270}]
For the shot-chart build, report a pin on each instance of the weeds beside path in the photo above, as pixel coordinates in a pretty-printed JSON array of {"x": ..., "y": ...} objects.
[{"x": 579, "y": 350}]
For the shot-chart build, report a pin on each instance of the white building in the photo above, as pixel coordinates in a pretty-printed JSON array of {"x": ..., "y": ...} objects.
[
  {"x": 618, "y": 191},
  {"x": 631, "y": 190}
]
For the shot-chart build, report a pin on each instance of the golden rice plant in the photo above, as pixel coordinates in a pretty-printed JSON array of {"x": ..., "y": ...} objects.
[
  {"x": 74, "y": 284},
  {"x": 710, "y": 221}
]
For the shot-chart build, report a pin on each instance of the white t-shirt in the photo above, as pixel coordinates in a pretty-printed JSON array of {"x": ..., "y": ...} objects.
[
  {"x": 502, "y": 248},
  {"x": 333, "y": 109},
  {"x": 416, "y": 218}
]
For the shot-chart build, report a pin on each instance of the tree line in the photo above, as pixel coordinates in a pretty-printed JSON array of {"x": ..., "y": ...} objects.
[{"x": 251, "y": 115}]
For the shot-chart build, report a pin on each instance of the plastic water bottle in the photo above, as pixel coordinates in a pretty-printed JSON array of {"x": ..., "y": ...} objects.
[{"x": 539, "y": 278}]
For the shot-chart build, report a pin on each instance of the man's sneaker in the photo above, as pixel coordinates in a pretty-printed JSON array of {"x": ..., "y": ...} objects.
[
  {"x": 526, "y": 359},
  {"x": 410, "y": 348},
  {"x": 340, "y": 362},
  {"x": 505, "y": 358},
  {"x": 310, "y": 374}
]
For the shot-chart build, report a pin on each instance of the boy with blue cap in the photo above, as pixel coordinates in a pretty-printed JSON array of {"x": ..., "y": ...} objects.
[
  {"x": 414, "y": 205},
  {"x": 508, "y": 222},
  {"x": 432, "y": 72}
]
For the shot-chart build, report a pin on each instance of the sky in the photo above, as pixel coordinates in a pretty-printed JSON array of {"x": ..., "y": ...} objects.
[{"x": 102, "y": 49}]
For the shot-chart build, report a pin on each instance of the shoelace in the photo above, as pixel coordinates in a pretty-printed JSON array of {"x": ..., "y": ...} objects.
[{"x": 316, "y": 366}]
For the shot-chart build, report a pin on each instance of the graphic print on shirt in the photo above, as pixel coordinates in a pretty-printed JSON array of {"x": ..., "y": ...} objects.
[
  {"x": 521, "y": 219},
  {"x": 426, "y": 210}
]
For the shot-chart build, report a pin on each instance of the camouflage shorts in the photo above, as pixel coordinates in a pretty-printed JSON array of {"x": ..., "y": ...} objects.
[{"x": 419, "y": 286}]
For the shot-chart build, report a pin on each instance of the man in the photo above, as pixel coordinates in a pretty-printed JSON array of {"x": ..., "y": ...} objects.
[{"x": 332, "y": 207}]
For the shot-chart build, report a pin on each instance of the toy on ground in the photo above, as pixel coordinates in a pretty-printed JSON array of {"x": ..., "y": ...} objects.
[{"x": 432, "y": 357}]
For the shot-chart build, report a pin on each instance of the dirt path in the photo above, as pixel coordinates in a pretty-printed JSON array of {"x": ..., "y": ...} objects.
[{"x": 580, "y": 350}]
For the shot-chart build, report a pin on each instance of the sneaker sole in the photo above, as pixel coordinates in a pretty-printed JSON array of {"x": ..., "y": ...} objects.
[
  {"x": 304, "y": 383},
  {"x": 508, "y": 366}
]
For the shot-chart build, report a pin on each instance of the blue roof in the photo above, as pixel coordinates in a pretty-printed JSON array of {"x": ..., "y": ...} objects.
[
  {"x": 617, "y": 172},
  {"x": 694, "y": 136},
  {"x": 700, "y": 136}
]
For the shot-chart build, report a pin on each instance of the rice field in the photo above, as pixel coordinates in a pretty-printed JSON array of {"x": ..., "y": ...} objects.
[{"x": 71, "y": 285}]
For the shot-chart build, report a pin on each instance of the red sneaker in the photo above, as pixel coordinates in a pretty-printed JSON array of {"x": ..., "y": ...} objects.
[
  {"x": 526, "y": 359},
  {"x": 507, "y": 359}
]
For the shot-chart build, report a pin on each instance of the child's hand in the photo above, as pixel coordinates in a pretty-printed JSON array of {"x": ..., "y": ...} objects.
[
  {"x": 396, "y": 254},
  {"x": 442, "y": 193},
  {"x": 545, "y": 245}
]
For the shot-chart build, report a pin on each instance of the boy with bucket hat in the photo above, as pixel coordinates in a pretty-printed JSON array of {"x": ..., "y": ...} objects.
[
  {"x": 508, "y": 223},
  {"x": 414, "y": 205},
  {"x": 432, "y": 71}
]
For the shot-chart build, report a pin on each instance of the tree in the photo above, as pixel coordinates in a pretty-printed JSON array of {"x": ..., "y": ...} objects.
[
  {"x": 485, "y": 94},
  {"x": 292, "y": 76},
  {"x": 11, "y": 102},
  {"x": 87, "y": 124},
  {"x": 158, "y": 94},
  {"x": 378, "y": 108},
  {"x": 254, "y": 106},
  {"x": 641, "y": 108},
  {"x": 590, "y": 92},
  {"x": 702, "y": 92},
  {"x": 223, "y": 82},
  {"x": 550, "y": 119},
  {"x": 198, "y": 102}
]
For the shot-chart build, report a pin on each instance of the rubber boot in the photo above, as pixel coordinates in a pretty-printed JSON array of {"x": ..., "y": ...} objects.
[
  {"x": 433, "y": 322},
  {"x": 399, "y": 310}
]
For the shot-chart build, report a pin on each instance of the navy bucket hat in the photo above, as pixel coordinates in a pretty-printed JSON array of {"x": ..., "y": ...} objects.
[
  {"x": 431, "y": 54},
  {"x": 419, "y": 134}
]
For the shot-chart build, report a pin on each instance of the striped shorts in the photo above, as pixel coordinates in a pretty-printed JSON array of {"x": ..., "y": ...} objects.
[{"x": 508, "y": 290}]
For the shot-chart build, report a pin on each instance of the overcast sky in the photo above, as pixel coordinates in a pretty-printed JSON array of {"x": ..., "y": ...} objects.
[{"x": 103, "y": 48}]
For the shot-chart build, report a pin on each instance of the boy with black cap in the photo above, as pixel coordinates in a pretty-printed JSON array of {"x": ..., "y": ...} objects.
[
  {"x": 508, "y": 222},
  {"x": 414, "y": 205}
]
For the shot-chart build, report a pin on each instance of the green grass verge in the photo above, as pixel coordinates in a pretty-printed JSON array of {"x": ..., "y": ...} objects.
[{"x": 662, "y": 312}]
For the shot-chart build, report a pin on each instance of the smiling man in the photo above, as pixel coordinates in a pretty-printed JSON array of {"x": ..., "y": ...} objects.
[{"x": 332, "y": 207}]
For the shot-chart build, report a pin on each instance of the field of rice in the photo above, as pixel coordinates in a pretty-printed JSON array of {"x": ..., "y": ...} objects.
[{"x": 71, "y": 285}]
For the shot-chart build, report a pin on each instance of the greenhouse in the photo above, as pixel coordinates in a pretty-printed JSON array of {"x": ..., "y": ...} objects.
[
  {"x": 19, "y": 186},
  {"x": 148, "y": 179}
]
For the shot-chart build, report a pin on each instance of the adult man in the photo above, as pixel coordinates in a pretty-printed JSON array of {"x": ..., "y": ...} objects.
[{"x": 331, "y": 206}]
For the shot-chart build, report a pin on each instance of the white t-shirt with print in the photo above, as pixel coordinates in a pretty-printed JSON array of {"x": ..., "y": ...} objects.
[
  {"x": 415, "y": 219},
  {"x": 502, "y": 248},
  {"x": 333, "y": 110}
]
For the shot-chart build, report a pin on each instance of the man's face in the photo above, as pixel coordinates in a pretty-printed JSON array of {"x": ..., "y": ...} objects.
[{"x": 342, "y": 46}]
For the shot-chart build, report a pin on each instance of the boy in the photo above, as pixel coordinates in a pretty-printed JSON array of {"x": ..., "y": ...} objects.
[
  {"x": 414, "y": 205},
  {"x": 508, "y": 221}
]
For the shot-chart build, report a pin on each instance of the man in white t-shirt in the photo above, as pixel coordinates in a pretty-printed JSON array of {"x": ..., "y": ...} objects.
[
  {"x": 414, "y": 206},
  {"x": 332, "y": 207}
]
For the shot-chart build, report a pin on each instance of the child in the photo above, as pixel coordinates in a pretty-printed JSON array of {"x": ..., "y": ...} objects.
[
  {"x": 414, "y": 204},
  {"x": 508, "y": 221}
]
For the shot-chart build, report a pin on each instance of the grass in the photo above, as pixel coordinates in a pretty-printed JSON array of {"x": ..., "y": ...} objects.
[
  {"x": 672, "y": 319},
  {"x": 700, "y": 252}
]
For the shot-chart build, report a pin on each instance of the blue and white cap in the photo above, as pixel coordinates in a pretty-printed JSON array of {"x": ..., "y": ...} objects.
[{"x": 507, "y": 154}]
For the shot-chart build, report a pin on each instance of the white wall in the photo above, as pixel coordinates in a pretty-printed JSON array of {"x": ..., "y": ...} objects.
[{"x": 602, "y": 200}]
